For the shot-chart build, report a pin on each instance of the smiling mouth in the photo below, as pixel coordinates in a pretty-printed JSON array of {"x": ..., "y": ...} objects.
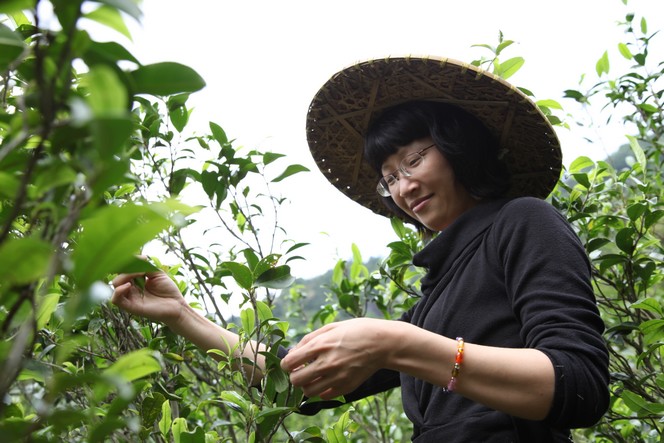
[{"x": 416, "y": 204}]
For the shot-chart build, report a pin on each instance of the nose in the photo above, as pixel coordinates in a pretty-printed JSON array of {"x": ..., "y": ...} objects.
[{"x": 406, "y": 185}]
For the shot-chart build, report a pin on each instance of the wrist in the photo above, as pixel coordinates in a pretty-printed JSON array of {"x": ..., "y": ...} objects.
[
  {"x": 402, "y": 346},
  {"x": 181, "y": 318},
  {"x": 415, "y": 349}
]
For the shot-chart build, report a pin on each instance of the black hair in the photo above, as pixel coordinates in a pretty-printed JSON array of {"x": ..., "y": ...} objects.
[{"x": 469, "y": 147}]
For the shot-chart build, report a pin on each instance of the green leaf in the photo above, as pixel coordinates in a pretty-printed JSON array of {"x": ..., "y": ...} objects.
[
  {"x": 135, "y": 365},
  {"x": 581, "y": 163},
  {"x": 624, "y": 51},
  {"x": 178, "y": 428},
  {"x": 64, "y": 418},
  {"x": 576, "y": 95},
  {"x": 269, "y": 412},
  {"x": 269, "y": 157},
  {"x": 602, "y": 66},
  {"x": 639, "y": 405},
  {"x": 107, "y": 52},
  {"x": 195, "y": 436},
  {"x": 11, "y": 6},
  {"x": 264, "y": 311},
  {"x": 103, "y": 430},
  {"x": 179, "y": 116},
  {"x": 218, "y": 133},
  {"x": 128, "y": 6},
  {"x": 596, "y": 243},
  {"x": 509, "y": 67},
  {"x": 110, "y": 17},
  {"x": 639, "y": 155},
  {"x": 166, "y": 420},
  {"x": 23, "y": 260},
  {"x": 11, "y": 47},
  {"x": 582, "y": 179},
  {"x": 135, "y": 265},
  {"x": 280, "y": 379},
  {"x": 653, "y": 330},
  {"x": 648, "y": 108},
  {"x": 177, "y": 181},
  {"x": 8, "y": 185},
  {"x": 46, "y": 308},
  {"x": 552, "y": 104},
  {"x": 653, "y": 218},
  {"x": 241, "y": 274},
  {"x": 151, "y": 408},
  {"x": 113, "y": 235},
  {"x": 649, "y": 304},
  {"x": 625, "y": 240},
  {"x": 290, "y": 170},
  {"x": 58, "y": 173},
  {"x": 258, "y": 267},
  {"x": 248, "y": 320},
  {"x": 106, "y": 94},
  {"x": 235, "y": 401},
  {"x": 276, "y": 278},
  {"x": 166, "y": 78},
  {"x": 110, "y": 135},
  {"x": 636, "y": 210}
]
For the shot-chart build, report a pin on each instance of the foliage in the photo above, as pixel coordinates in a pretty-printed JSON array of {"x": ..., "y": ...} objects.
[
  {"x": 94, "y": 165},
  {"x": 96, "y": 160},
  {"x": 618, "y": 215}
]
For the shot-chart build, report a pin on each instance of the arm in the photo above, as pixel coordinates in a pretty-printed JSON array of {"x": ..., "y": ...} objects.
[
  {"x": 561, "y": 373},
  {"x": 161, "y": 301},
  {"x": 519, "y": 382}
]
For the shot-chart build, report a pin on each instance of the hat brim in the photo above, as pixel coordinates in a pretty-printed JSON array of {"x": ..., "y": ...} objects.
[{"x": 343, "y": 108}]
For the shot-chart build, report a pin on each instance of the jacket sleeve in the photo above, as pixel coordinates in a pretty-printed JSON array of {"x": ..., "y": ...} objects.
[{"x": 547, "y": 276}]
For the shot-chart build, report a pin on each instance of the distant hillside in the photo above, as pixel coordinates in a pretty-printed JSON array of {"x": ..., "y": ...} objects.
[{"x": 313, "y": 293}]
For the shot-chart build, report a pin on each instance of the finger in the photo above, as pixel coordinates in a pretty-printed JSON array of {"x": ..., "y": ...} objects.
[
  {"x": 330, "y": 393},
  {"x": 121, "y": 279},
  {"x": 119, "y": 297},
  {"x": 303, "y": 353},
  {"x": 310, "y": 336},
  {"x": 298, "y": 358},
  {"x": 323, "y": 388}
]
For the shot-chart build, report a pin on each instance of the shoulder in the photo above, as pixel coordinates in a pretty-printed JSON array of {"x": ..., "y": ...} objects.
[
  {"x": 521, "y": 207},
  {"x": 531, "y": 220},
  {"x": 530, "y": 213}
]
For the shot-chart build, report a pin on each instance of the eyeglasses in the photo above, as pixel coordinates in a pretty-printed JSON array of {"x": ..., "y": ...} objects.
[{"x": 406, "y": 167}]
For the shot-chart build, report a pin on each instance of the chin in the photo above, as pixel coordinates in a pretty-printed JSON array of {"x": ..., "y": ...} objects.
[{"x": 436, "y": 226}]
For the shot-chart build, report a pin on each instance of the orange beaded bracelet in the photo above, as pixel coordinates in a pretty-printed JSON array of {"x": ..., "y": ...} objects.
[{"x": 457, "y": 366}]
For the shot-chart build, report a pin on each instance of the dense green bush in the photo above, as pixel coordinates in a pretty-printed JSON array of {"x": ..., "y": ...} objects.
[{"x": 96, "y": 160}]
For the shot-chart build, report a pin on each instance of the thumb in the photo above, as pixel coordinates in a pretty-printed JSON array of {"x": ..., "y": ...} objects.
[{"x": 119, "y": 297}]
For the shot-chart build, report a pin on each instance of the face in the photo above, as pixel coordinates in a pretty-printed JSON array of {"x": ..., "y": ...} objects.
[{"x": 431, "y": 195}]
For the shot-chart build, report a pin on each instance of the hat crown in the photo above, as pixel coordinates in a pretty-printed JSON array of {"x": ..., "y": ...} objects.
[{"x": 343, "y": 108}]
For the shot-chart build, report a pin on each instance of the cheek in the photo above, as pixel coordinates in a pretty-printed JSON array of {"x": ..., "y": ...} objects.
[{"x": 401, "y": 204}]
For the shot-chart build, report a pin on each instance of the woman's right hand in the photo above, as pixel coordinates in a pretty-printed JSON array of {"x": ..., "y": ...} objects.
[{"x": 160, "y": 300}]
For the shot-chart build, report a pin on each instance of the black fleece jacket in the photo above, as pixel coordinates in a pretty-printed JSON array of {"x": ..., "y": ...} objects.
[{"x": 508, "y": 273}]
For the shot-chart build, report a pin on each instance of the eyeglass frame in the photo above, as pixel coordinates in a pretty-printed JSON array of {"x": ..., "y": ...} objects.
[{"x": 382, "y": 188}]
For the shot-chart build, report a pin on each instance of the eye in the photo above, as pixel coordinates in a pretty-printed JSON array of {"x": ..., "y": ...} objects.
[
  {"x": 412, "y": 161},
  {"x": 390, "y": 180}
]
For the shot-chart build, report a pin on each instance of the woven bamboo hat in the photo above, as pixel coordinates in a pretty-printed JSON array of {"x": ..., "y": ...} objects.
[{"x": 343, "y": 108}]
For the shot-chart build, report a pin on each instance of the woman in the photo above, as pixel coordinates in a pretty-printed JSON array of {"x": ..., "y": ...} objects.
[{"x": 505, "y": 343}]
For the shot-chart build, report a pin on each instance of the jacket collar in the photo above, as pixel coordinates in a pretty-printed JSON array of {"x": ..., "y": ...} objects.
[{"x": 439, "y": 255}]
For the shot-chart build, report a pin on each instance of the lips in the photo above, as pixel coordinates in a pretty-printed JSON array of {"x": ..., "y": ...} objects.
[{"x": 418, "y": 203}]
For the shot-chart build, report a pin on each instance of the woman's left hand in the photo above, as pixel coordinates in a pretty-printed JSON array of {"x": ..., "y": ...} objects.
[{"x": 338, "y": 357}]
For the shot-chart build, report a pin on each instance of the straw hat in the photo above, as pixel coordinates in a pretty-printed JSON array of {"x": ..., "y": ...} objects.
[{"x": 343, "y": 108}]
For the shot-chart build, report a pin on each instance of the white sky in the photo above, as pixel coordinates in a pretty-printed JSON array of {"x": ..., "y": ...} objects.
[{"x": 263, "y": 60}]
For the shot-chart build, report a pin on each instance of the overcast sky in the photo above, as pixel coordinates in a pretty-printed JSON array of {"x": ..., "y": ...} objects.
[{"x": 264, "y": 60}]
